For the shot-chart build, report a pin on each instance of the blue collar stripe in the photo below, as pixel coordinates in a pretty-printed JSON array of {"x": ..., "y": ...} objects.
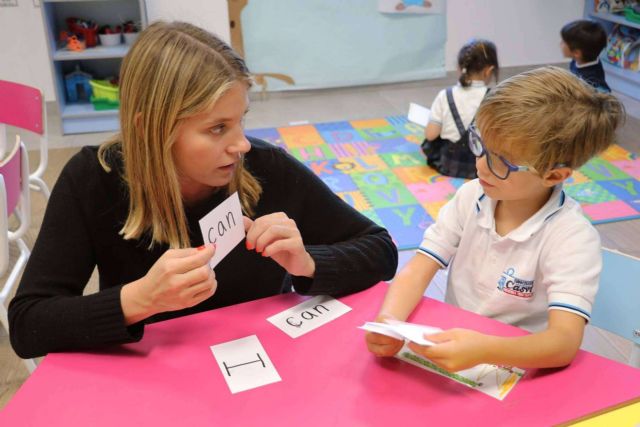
[
  {"x": 562, "y": 198},
  {"x": 552, "y": 214},
  {"x": 478, "y": 202},
  {"x": 570, "y": 307},
  {"x": 434, "y": 256}
]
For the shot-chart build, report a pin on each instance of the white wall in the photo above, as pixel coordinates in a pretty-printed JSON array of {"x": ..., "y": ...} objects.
[
  {"x": 212, "y": 15},
  {"x": 23, "y": 53},
  {"x": 525, "y": 31}
]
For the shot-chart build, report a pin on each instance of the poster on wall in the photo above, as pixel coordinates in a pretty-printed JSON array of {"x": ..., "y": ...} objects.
[{"x": 289, "y": 44}]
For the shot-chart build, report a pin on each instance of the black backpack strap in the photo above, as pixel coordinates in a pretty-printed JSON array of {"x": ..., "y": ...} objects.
[{"x": 454, "y": 112}]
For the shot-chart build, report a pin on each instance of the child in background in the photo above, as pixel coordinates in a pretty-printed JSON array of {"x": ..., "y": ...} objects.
[
  {"x": 518, "y": 248},
  {"x": 452, "y": 111},
  {"x": 582, "y": 41}
]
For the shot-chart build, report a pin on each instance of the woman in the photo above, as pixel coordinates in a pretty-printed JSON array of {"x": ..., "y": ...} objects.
[{"x": 131, "y": 207}]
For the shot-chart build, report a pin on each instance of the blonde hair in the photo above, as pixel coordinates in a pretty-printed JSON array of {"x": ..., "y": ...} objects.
[
  {"x": 172, "y": 72},
  {"x": 549, "y": 117}
]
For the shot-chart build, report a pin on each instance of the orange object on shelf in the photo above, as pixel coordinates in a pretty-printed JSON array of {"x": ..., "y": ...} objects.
[{"x": 74, "y": 44}]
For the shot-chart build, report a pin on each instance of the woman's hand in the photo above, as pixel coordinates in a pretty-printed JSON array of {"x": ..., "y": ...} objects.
[
  {"x": 180, "y": 278},
  {"x": 277, "y": 236},
  {"x": 454, "y": 349},
  {"x": 382, "y": 345}
]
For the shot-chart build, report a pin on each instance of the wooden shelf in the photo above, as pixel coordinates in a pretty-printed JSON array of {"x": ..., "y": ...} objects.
[
  {"x": 612, "y": 17},
  {"x": 98, "y": 52},
  {"x": 633, "y": 76},
  {"x": 84, "y": 109}
]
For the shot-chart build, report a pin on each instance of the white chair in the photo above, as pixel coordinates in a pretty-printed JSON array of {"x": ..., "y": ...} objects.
[
  {"x": 617, "y": 307},
  {"x": 23, "y": 107},
  {"x": 14, "y": 200}
]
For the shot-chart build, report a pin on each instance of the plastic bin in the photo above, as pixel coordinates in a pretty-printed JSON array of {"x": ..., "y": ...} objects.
[
  {"x": 106, "y": 96},
  {"x": 631, "y": 15}
]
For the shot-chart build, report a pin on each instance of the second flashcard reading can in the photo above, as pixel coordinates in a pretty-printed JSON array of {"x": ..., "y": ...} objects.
[{"x": 309, "y": 315}]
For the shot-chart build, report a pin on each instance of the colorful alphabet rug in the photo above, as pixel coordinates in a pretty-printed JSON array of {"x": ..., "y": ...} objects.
[{"x": 377, "y": 167}]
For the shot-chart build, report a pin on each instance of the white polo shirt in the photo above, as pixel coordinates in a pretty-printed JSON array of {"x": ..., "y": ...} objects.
[
  {"x": 467, "y": 101},
  {"x": 550, "y": 262}
]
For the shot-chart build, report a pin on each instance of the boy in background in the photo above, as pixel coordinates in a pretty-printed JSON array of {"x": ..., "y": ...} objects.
[{"x": 582, "y": 41}]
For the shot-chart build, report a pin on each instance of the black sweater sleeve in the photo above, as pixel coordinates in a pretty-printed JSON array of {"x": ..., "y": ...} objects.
[
  {"x": 80, "y": 230},
  {"x": 351, "y": 252},
  {"x": 49, "y": 312}
]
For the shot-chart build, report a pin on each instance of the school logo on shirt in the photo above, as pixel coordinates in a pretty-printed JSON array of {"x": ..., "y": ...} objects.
[{"x": 510, "y": 284}]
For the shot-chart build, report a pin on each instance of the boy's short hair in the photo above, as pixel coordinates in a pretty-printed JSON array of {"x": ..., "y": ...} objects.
[
  {"x": 546, "y": 117},
  {"x": 589, "y": 37}
]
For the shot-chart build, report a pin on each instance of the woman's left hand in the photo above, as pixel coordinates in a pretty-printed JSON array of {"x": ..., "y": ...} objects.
[{"x": 277, "y": 236}]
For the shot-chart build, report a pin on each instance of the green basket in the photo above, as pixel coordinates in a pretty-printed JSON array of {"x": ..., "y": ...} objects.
[
  {"x": 631, "y": 15},
  {"x": 102, "y": 89},
  {"x": 100, "y": 104}
]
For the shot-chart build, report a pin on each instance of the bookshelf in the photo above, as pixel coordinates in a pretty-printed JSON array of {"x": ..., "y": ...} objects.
[
  {"x": 100, "y": 61},
  {"x": 619, "y": 79}
]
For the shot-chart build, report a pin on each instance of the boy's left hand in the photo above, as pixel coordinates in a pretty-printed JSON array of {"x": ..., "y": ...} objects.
[{"x": 454, "y": 349}]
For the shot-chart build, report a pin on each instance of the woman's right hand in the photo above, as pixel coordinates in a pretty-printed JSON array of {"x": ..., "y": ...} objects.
[{"x": 180, "y": 278}]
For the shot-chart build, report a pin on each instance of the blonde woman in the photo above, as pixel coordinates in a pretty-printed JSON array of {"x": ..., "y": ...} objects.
[
  {"x": 518, "y": 248},
  {"x": 131, "y": 207}
]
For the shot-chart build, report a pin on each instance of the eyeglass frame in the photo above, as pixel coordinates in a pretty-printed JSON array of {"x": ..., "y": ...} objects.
[{"x": 473, "y": 133}]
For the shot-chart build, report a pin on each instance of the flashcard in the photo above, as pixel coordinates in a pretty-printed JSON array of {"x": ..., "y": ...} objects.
[
  {"x": 418, "y": 114},
  {"x": 224, "y": 227},
  {"x": 309, "y": 315},
  {"x": 495, "y": 381},
  {"x": 402, "y": 330},
  {"x": 244, "y": 364}
]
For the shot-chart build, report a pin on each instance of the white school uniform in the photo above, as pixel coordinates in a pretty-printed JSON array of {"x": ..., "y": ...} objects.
[
  {"x": 550, "y": 262},
  {"x": 467, "y": 100}
]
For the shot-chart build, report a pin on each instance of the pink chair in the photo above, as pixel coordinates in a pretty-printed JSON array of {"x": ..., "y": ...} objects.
[
  {"x": 14, "y": 200},
  {"x": 23, "y": 107}
]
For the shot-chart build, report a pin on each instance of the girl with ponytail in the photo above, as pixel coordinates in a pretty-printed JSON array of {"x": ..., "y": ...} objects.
[{"x": 452, "y": 112}]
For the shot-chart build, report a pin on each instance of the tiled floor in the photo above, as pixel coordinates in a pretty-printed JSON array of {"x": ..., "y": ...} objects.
[{"x": 281, "y": 109}]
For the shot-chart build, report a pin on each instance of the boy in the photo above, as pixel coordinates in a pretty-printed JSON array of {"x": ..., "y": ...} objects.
[
  {"x": 522, "y": 247},
  {"x": 582, "y": 41}
]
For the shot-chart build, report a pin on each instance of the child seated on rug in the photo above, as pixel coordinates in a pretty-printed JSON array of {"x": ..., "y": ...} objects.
[
  {"x": 452, "y": 111},
  {"x": 518, "y": 249},
  {"x": 582, "y": 41}
]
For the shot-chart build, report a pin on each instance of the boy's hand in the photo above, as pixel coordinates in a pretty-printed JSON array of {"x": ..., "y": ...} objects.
[
  {"x": 382, "y": 345},
  {"x": 455, "y": 349}
]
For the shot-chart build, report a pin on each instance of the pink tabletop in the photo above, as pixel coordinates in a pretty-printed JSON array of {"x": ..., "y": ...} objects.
[{"x": 328, "y": 378}]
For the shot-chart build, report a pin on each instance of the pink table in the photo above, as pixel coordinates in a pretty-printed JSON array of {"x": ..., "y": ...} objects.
[{"x": 328, "y": 378}]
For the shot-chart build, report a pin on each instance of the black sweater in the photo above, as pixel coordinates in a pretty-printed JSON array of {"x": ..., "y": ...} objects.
[{"x": 88, "y": 207}]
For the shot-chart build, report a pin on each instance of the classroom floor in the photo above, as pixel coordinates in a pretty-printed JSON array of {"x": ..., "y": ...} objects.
[{"x": 282, "y": 109}]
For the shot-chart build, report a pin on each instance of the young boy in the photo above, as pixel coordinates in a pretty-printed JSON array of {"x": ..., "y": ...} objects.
[
  {"x": 518, "y": 248},
  {"x": 582, "y": 41}
]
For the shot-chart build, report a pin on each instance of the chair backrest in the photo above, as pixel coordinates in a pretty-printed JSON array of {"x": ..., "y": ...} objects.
[
  {"x": 14, "y": 188},
  {"x": 10, "y": 169},
  {"x": 14, "y": 170},
  {"x": 617, "y": 306},
  {"x": 21, "y": 106}
]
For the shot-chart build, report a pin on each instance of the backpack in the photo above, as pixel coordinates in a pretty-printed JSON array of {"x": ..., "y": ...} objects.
[{"x": 448, "y": 157}]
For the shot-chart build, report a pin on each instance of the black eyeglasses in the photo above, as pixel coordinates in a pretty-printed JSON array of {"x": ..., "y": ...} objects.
[{"x": 498, "y": 165}]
